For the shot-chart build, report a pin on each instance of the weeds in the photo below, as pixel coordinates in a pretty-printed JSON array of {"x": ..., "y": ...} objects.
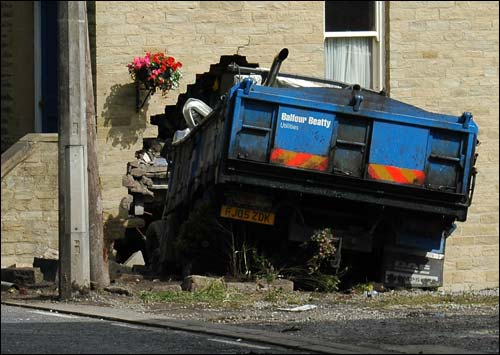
[
  {"x": 273, "y": 295},
  {"x": 264, "y": 267},
  {"x": 315, "y": 281},
  {"x": 239, "y": 265},
  {"x": 205, "y": 241},
  {"x": 322, "y": 272},
  {"x": 215, "y": 292},
  {"x": 361, "y": 288},
  {"x": 324, "y": 251}
]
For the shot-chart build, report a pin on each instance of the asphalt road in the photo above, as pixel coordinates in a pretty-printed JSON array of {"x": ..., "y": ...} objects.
[{"x": 28, "y": 331}]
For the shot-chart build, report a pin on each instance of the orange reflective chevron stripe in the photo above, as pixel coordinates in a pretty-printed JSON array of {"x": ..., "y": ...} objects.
[
  {"x": 395, "y": 174},
  {"x": 299, "y": 160}
]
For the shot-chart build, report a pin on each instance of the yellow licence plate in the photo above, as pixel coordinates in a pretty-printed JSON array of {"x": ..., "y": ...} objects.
[{"x": 245, "y": 214}]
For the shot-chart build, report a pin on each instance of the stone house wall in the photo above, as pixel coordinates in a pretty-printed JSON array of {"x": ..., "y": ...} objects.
[
  {"x": 196, "y": 33},
  {"x": 443, "y": 57},
  {"x": 30, "y": 203}
]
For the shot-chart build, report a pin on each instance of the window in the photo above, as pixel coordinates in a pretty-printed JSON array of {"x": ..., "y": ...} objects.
[{"x": 354, "y": 42}]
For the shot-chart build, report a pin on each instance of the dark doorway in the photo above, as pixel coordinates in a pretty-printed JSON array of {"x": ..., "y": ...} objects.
[{"x": 49, "y": 57}]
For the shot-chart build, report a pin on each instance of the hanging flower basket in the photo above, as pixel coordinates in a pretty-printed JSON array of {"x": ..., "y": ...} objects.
[{"x": 156, "y": 71}]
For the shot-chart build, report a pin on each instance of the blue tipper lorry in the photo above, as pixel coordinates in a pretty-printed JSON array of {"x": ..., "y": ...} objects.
[{"x": 388, "y": 178}]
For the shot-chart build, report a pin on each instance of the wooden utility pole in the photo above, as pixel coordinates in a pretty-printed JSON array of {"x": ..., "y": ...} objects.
[
  {"x": 99, "y": 268},
  {"x": 74, "y": 269}
]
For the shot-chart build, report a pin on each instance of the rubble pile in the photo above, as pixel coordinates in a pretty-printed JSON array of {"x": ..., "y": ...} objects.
[{"x": 146, "y": 181}]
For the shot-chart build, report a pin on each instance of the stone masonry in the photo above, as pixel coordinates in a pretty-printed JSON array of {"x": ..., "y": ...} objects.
[
  {"x": 443, "y": 57},
  {"x": 30, "y": 204},
  {"x": 196, "y": 33}
]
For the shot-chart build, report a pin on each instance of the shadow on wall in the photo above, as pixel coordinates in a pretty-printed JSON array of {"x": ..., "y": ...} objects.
[
  {"x": 119, "y": 113},
  {"x": 114, "y": 225},
  {"x": 121, "y": 242},
  {"x": 114, "y": 229}
]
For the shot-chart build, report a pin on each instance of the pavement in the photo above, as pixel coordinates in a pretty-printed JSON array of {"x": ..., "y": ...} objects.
[
  {"x": 133, "y": 317},
  {"x": 263, "y": 336}
]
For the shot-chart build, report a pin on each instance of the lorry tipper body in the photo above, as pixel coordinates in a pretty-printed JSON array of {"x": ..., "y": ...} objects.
[{"x": 390, "y": 179}]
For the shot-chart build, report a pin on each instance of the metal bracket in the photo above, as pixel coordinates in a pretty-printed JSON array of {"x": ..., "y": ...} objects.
[
  {"x": 246, "y": 85},
  {"x": 138, "y": 90},
  {"x": 466, "y": 116},
  {"x": 357, "y": 98}
]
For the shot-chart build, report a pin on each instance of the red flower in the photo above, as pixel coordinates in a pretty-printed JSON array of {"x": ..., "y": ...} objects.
[
  {"x": 156, "y": 65},
  {"x": 176, "y": 66}
]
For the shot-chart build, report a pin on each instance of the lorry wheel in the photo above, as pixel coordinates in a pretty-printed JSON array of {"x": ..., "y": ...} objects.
[{"x": 154, "y": 234}]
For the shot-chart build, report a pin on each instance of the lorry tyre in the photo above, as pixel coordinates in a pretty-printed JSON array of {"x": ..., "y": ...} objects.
[{"x": 154, "y": 234}]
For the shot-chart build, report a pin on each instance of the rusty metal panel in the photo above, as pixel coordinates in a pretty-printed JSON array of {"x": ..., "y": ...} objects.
[
  {"x": 350, "y": 146},
  {"x": 348, "y": 161},
  {"x": 445, "y": 161},
  {"x": 253, "y": 130}
]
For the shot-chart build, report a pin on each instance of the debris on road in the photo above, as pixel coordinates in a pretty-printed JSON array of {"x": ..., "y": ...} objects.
[
  {"x": 306, "y": 307},
  {"x": 8, "y": 286},
  {"x": 118, "y": 290}
]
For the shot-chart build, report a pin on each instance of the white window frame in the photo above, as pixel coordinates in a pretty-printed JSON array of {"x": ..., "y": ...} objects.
[{"x": 378, "y": 47}]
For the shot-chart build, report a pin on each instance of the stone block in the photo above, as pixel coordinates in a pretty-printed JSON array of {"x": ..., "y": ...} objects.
[
  {"x": 44, "y": 194},
  {"x": 118, "y": 290},
  {"x": 193, "y": 283},
  {"x": 136, "y": 40},
  {"x": 137, "y": 172},
  {"x": 23, "y": 195},
  {"x": 22, "y": 276},
  {"x": 120, "y": 29},
  {"x": 116, "y": 270},
  {"x": 30, "y": 215},
  {"x": 464, "y": 264},
  {"x": 403, "y": 14},
  {"x": 135, "y": 259},
  {"x": 463, "y": 241},
  {"x": 8, "y": 261},
  {"x": 166, "y": 287},
  {"x": 488, "y": 218},
  {"x": 427, "y": 14},
  {"x": 474, "y": 277},
  {"x": 39, "y": 277},
  {"x": 25, "y": 247},
  {"x": 134, "y": 222},
  {"x": 279, "y": 284},
  {"x": 492, "y": 276},
  {"x": 150, "y": 18},
  {"x": 243, "y": 287},
  {"x": 490, "y": 250}
]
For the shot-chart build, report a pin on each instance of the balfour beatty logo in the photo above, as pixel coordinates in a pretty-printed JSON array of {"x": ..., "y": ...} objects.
[{"x": 291, "y": 117}]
